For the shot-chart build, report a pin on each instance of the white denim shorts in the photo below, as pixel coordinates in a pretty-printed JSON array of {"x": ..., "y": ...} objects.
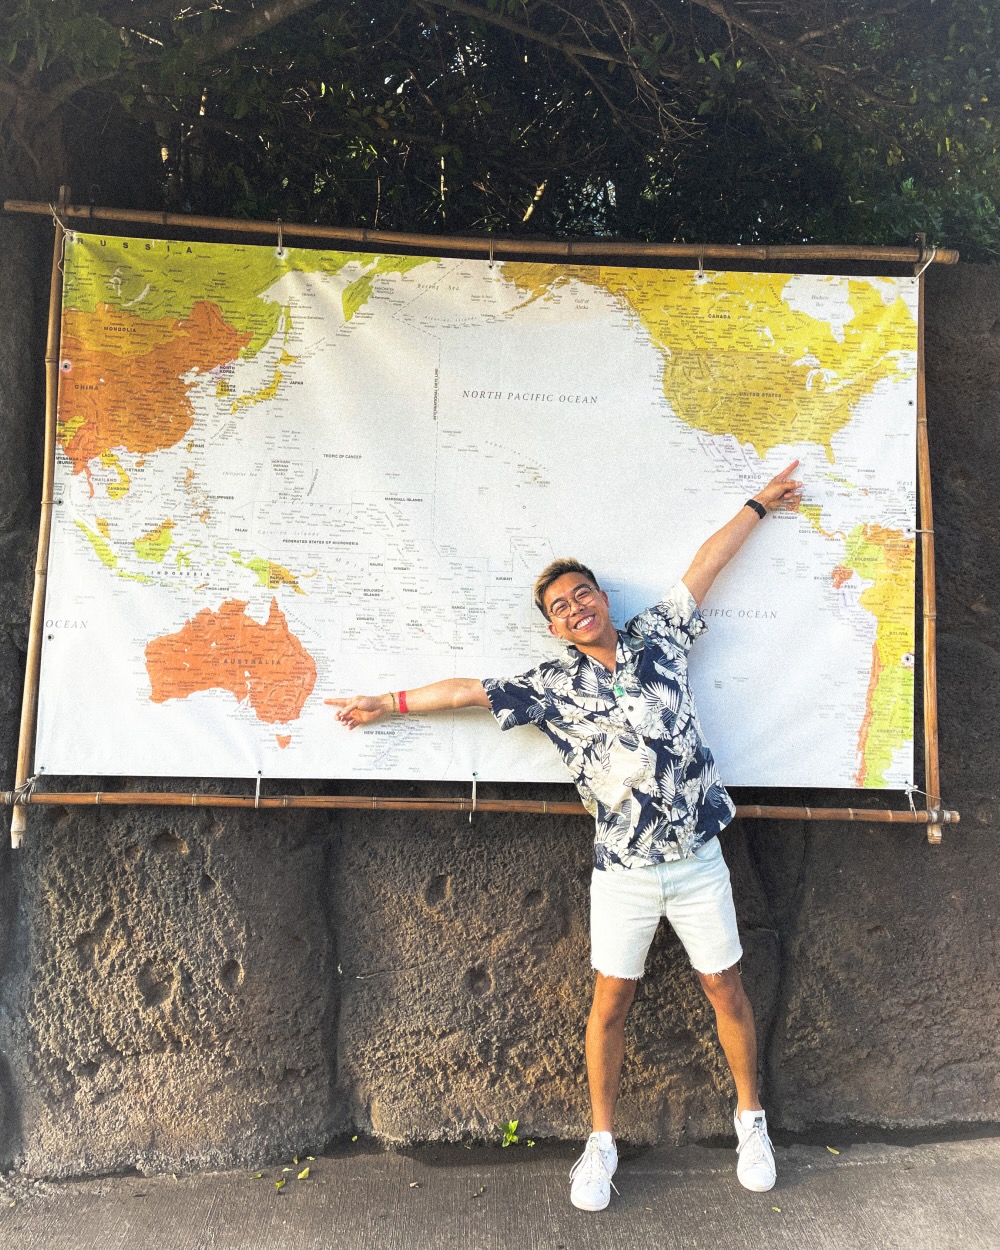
[{"x": 694, "y": 894}]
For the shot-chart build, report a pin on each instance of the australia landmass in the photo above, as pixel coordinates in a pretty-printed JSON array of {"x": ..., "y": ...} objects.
[{"x": 265, "y": 666}]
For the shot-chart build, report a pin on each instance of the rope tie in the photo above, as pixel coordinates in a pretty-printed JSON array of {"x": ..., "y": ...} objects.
[
  {"x": 23, "y": 792},
  {"x": 929, "y": 261}
]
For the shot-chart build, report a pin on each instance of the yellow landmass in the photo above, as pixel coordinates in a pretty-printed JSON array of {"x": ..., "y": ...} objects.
[
  {"x": 155, "y": 545},
  {"x": 269, "y": 391},
  {"x": 885, "y": 558},
  {"x": 359, "y": 292},
  {"x": 268, "y": 573},
  {"x": 98, "y": 539},
  {"x": 65, "y": 429},
  {"x": 119, "y": 488},
  {"x": 739, "y": 360},
  {"x": 258, "y": 397},
  {"x": 100, "y": 544},
  {"x": 813, "y": 514}
]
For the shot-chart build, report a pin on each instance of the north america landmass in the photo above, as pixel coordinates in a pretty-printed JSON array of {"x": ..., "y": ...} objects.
[{"x": 144, "y": 322}]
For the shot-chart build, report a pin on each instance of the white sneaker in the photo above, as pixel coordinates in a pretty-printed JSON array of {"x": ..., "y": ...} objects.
[
  {"x": 755, "y": 1166},
  {"x": 591, "y": 1174}
]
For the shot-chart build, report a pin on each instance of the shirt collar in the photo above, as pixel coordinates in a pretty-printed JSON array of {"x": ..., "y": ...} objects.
[{"x": 629, "y": 645}]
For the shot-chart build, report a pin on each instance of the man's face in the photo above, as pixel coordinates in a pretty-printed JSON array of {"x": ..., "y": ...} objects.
[{"x": 578, "y": 612}]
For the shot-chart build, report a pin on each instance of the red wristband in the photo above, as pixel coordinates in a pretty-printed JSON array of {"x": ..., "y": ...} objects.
[{"x": 403, "y": 709}]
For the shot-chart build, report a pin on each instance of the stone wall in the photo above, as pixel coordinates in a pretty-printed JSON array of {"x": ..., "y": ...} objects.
[{"x": 181, "y": 988}]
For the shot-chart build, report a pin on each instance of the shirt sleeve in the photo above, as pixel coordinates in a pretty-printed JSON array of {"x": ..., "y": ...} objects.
[
  {"x": 516, "y": 700},
  {"x": 676, "y": 619}
]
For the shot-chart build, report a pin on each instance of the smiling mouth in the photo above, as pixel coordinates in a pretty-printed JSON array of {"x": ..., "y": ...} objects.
[{"x": 585, "y": 621}]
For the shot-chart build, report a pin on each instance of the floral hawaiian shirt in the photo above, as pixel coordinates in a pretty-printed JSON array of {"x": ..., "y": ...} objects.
[{"x": 630, "y": 739}]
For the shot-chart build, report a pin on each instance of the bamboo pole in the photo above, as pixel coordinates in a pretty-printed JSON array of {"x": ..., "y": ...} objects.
[
  {"x": 502, "y": 247},
  {"x": 376, "y": 803},
  {"x": 29, "y": 703},
  {"x": 932, "y": 780}
]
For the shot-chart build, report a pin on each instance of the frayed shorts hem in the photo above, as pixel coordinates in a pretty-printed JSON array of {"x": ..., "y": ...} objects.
[{"x": 618, "y": 976}]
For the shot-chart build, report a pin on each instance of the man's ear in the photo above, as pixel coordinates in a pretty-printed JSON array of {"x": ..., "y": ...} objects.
[{"x": 552, "y": 630}]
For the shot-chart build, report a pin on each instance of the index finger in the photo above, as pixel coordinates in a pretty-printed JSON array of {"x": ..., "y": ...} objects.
[
  {"x": 339, "y": 702},
  {"x": 780, "y": 477}
]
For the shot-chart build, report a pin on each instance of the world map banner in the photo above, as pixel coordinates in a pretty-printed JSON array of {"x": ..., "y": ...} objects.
[{"x": 288, "y": 475}]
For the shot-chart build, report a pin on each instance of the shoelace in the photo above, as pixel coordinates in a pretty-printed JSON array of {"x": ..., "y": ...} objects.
[
  {"x": 757, "y": 1137},
  {"x": 592, "y": 1164}
]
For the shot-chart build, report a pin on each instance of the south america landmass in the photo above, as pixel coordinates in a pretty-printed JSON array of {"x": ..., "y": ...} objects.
[{"x": 884, "y": 558}]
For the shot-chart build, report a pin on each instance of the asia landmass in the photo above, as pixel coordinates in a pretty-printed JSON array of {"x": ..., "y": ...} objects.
[{"x": 135, "y": 330}]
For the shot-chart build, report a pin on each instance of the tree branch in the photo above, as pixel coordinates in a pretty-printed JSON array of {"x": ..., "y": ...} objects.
[
  {"x": 236, "y": 33},
  {"x": 837, "y": 27},
  {"x": 780, "y": 48},
  {"x": 566, "y": 47},
  {"x": 226, "y": 39}
]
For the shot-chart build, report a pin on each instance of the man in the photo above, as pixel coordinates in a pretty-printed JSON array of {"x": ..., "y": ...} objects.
[{"x": 619, "y": 708}]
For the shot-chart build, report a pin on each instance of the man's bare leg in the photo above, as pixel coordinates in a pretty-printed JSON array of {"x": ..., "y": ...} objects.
[
  {"x": 606, "y": 1046},
  {"x": 737, "y": 1033}
]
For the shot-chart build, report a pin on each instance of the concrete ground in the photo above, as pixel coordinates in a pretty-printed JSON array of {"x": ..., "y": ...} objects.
[{"x": 872, "y": 1197}]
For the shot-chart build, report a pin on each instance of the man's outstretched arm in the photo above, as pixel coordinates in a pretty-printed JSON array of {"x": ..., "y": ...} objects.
[
  {"x": 439, "y": 696},
  {"x": 715, "y": 553}
]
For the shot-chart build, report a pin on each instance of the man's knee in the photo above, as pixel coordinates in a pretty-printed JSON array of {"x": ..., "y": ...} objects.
[
  {"x": 612, "y": 998},
  {"x": 725, "y": 990}
]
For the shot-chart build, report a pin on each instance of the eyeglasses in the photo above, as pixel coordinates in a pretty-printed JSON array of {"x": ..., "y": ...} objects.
[{"x": 580, "y": 597}]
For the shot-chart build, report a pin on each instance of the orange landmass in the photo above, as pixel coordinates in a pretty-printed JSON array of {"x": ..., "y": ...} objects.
[
  {"x": 263, "y": 665},
  {"x": 125, "y": 387},
  {"x": 841, "y": 575},
  {"x": 283, "y": 740}
]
